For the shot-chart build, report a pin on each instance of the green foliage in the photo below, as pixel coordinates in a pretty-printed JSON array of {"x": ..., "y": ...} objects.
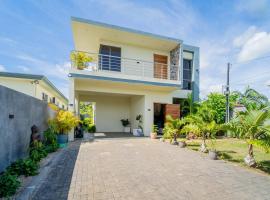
[
  {"x": 191, "y": 128},
  {"x": 87, "y": 110},
  {"x": 252, "y": 99},
  {"x": 37, "y": 151},
  {"x": 63, "y": 122},
  {"x": 25, "y": 167},
  {"x": 154, "y": 128},
  {"x": 50, "y": 137},
  {"x": 80, "y": 59},
  {"x": 8, "y": 184},
  {"x": 92, "y": 128},
  {"x": 125, "y": 122},
  {"x": 188, "y": 106},
  {"x": 88, "y": 126},
  {"x": 173, "y": 127},
  {"x": 252, "y": 126}
]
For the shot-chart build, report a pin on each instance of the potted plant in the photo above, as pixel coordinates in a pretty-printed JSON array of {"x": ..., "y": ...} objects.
[
  {"x": 138, "y": 131},
  {"x": 80, "y": 60},
  {"x": 89, "y": 128},
  {"x": 126, "y": 123},
  {"x": 63, "y": 123},
  {"x": 153, "y": 134},
  {"x": 213, "y": 154}
]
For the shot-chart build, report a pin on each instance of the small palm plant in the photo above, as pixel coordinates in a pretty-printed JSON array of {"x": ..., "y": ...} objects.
[
  {"x": 254, "y": 127},
  {"x": 174, "y": 127},
  {"x": 202, "y": 128}
]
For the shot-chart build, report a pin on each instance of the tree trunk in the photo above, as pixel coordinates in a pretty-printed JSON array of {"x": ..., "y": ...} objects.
[
  {"x": 250, "y": 150},
  {"x": 249, "y": 159}
]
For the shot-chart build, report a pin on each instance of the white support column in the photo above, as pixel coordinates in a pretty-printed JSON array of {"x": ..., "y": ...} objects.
[
  {"x": 71, "y": 104},
  {"x": 148, "y": 115}
]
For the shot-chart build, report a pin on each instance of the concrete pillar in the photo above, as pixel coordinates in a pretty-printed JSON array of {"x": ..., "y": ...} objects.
[
  {"x": 71, "y": 104},
  {"x": 148, "y": 115}
]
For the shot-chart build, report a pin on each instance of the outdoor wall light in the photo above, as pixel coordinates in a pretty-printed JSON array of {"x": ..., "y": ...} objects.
[{"x": 11, "y": 116}]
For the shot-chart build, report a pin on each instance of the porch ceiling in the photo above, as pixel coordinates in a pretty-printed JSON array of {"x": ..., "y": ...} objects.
[{"x": 106, "y": 86}]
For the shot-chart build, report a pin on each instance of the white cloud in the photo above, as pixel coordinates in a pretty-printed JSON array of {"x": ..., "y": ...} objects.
[
  {"x": 46, "y": 68},
  {"x": 62, "y": 69},
  {"x": 253, "y": 45},
  {"x": 242, "y": 39},
  {"x": 2, "y": 68}
]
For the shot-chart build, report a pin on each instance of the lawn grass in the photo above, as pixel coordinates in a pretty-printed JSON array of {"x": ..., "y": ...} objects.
[{"x": 234, "y": 150}]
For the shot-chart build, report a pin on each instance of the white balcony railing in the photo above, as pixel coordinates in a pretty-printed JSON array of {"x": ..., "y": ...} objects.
[{"x": 128, "y": 66}]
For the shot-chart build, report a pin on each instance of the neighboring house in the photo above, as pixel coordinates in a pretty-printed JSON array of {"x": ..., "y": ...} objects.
[
  {"x": 238, "y": 108},
  {"x": 37, "y": 86},
  {"x": 132, "y": 73}
]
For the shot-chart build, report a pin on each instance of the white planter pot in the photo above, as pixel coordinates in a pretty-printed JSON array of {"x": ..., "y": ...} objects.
[
  {"x": 87, "y": 136},
  {"x": 71, "y": 135},
  {"x": 126, "y": 129},
  {"x": 137, "y": 132}
]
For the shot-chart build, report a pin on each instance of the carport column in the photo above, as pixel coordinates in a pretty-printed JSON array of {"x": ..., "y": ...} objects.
[
  {"x": 148, "y": 115},
  {"x": 71, "y": 105}
]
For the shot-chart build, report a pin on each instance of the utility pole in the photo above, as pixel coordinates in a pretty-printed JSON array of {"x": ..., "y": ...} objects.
[{"x": 227, "y": 93}]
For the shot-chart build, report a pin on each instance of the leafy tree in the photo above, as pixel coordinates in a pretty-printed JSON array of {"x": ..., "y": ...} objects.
[
  {"x": 252, "y": 99},
  {"x": 254, "y": 127},
  {"x": 216, "y": 103}
]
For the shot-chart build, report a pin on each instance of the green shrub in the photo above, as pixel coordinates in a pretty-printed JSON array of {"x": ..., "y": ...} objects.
[
  {"x": 50, "y": 137},
  {"x": 8, "y": 184},
  {"x": 51, "y": 148},
  {"x": 37, "y": 151},
  {"x": 25, "y": 167},
  {"x": 91, "y": 128}
]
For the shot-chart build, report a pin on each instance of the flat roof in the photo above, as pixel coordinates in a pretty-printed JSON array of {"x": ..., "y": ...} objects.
[
  {"x": 34, "y": 77},
  {"x": 125, "y": 29}
]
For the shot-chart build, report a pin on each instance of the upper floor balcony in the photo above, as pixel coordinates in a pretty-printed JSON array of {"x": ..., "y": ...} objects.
[
  {"x": 115, "y": 53},
  {"x": 107, "y": 65}
]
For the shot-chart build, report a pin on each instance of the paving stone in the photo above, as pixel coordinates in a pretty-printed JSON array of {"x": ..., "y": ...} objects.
[{"x": 140, "y": 168}]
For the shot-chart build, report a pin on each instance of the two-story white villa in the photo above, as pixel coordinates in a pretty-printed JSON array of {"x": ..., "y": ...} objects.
[{"x": 132, "y": 73}]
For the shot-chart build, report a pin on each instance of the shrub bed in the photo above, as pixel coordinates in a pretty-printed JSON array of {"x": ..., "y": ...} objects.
[{"x": 9, "y": 179}]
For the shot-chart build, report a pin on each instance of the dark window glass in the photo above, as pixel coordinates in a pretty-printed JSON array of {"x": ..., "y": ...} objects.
[
  {"x": 110, "y": 58},
  {"x": 187, "y": 74}
]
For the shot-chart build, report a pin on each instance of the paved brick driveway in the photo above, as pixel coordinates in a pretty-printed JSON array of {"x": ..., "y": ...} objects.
[{"x": 139, "y": 168}]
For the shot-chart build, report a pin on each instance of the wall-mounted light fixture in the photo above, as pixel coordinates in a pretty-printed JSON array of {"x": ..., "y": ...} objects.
[{"x": 11, "y": 116}]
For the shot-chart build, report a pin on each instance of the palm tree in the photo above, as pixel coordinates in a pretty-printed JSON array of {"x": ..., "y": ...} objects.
[
  {"x": 201, "y": 128},
  {"x": 188, "y": 106},
  {"x": 174, "y": 127},
  {"x": 254, "y": 127},
  {"x": 252, "y": 99}
]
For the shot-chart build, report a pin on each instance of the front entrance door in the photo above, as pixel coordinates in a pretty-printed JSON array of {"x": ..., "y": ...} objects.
[
  {"x": 173, "y": 110},
  {"x": 160, "y": 66}
]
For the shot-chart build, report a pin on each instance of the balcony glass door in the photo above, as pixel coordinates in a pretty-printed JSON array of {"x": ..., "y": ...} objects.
[{"x": 110, "y": 58}]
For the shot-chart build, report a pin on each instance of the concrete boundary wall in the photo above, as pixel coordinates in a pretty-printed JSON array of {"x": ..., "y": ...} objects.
[{"x": 18, "y": 113}]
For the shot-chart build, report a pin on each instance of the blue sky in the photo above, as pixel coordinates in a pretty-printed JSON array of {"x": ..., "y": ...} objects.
[{"x": 36, "y": 36}]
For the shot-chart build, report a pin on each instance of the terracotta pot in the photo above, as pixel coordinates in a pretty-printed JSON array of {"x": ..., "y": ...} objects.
[{"x": 153, "y": 135}]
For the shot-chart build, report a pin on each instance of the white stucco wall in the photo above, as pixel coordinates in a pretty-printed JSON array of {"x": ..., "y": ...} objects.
[
  {"x": 35, "y": 90},
  {"x": 109, "y": 111},
  {"x": 22, "y": 85},
  {"x": 137, "y": 106},
  {"x": 142, "y": 99}
]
